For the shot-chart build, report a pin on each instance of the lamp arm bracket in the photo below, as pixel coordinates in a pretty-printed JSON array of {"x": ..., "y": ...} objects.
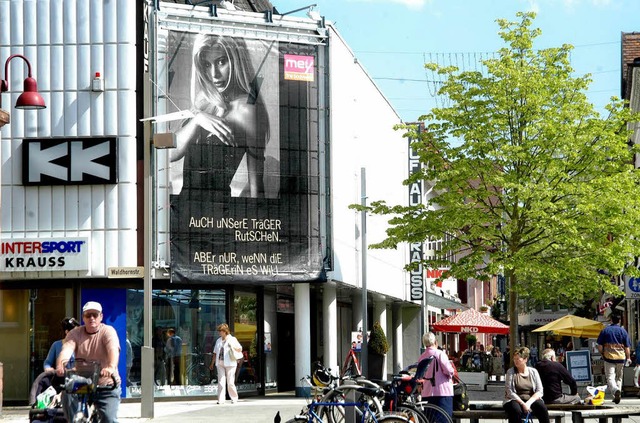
[{"x": 4, "y": 84}]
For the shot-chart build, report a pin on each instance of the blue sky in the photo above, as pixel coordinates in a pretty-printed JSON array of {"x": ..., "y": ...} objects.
[{"x": 393, "y": 38}]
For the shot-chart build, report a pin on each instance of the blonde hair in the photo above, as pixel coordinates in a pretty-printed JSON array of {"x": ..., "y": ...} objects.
[
  {"x": 223, "y": 327},
  {"x": 203, "y": 91}
]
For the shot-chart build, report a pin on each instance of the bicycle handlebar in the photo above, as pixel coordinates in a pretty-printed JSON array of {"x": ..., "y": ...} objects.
[{"x": 76, "y": 383}]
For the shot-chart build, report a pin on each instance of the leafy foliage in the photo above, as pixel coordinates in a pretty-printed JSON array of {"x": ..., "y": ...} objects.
[
  {"x": 378, "y": 340},
  {"x": 471, "y": 340},
  {"x": 526, "y": 178}
]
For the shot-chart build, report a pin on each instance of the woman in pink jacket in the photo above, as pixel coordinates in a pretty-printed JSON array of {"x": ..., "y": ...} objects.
[{"x": 437, "y": 387}]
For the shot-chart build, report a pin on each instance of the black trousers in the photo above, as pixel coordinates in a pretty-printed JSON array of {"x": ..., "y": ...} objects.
[{"x": 516, "y": 413}]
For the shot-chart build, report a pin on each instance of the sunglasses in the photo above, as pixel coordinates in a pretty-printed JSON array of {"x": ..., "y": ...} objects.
[{"x": 91, "y": 314}]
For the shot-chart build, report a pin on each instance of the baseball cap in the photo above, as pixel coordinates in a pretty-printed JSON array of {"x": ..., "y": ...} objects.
[{"x": 92, "y": 305}]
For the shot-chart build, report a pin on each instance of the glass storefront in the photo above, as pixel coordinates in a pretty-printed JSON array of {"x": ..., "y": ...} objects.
[
  {"x": 30, "y": 322},
  {"x": 184, "y": 334}
]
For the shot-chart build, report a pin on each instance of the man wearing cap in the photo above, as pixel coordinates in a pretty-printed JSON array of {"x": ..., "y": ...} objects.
[
  {"x": 94, "y": 341},
  {"x": 614, "y": 344}
]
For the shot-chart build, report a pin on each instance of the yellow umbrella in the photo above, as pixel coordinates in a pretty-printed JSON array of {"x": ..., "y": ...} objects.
[{"x": 571, "y": 325}]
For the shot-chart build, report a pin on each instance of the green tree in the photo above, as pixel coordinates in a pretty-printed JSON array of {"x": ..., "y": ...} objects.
[{"x": 537, "y": 185}]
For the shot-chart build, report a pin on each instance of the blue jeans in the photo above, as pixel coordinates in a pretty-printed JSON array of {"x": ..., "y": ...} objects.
[{"x": 107, "y": 402}]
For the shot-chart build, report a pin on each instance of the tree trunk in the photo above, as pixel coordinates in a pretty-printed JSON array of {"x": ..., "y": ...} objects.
[{"x": 513, "y": 316}]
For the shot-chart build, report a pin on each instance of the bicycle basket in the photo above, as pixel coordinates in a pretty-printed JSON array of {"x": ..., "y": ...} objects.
[{"x": 83, "y": 377}]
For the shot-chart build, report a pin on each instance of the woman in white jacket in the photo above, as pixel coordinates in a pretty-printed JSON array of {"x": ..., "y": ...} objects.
[{"x": 224, "y": 357}]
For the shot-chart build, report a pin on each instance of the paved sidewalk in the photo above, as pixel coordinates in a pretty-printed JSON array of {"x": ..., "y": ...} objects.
[{"x": 258, "y": 409}]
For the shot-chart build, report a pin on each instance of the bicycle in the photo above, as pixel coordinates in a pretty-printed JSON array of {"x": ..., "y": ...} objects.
[
  {"x": 81, "y": 386},
  {"x": 326, "y": 390},
  {"x": 402, "y": 394},
  {"x": 366, "y": 414},
  {"x": 198, "y": 372},
  {"x": 351, "y": 366}
]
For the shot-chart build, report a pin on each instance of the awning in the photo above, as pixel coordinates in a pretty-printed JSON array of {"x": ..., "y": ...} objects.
[
  {"x": 438, "y": 301},
  {"x": 470, "y": 321}
]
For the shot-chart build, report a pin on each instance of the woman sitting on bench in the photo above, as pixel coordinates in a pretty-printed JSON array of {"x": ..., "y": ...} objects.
[{"x": 523, "y": 390}]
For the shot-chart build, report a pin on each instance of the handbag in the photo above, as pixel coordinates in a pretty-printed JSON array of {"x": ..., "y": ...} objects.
[
  {"x": 237, "y": 355},
  {"x": 460, "y": 395}
]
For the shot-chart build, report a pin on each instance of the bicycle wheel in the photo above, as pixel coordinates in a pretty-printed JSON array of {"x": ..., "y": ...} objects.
[
  {"x": 198, "y": 374},
  {"x": 434, "y": 413},
  {"x": 392, "y": 419},
  {"x": 336, "y": 413},
  {"x": 411, "y": 412}
]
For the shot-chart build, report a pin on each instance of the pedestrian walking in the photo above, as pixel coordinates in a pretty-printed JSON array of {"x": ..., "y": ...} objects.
[
  {"x": 226, "y": 353},
  {"x": 614, "y": 345},
  {"x": 437, "y": 385}
]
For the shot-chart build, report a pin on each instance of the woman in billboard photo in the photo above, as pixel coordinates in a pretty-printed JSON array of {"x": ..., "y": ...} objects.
[{"x": 223, "y": 145}]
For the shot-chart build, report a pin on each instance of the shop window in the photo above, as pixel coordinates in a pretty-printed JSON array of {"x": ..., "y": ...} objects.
[
  {"x": 9, "y": 308},
  {"x": 184, "y": 333},
  {"x": 246, "y": 330}
]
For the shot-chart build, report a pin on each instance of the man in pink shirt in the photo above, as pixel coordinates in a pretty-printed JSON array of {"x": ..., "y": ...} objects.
[
  {"x": 94, "y": 342},
  {"x": 437, "y": 387}
]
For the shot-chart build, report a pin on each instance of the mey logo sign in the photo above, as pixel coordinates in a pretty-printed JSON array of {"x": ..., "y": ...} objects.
[{"x": 69, "y": 161}]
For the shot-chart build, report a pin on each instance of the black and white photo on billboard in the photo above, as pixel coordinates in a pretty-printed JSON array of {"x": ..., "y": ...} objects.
[
  {"x": 243, "y": 178},
  {"x": 233, "y": 96}
]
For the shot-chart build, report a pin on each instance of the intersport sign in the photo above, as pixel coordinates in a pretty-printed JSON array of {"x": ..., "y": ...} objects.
[{"x": 44, "y": 254}]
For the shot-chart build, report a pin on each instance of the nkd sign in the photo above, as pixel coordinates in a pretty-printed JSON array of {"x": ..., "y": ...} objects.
[{"x": 69, "y": 161}]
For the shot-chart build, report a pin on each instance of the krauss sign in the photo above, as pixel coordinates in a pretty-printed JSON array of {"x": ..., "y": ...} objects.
[
  {"x": 416, "y": 249},
  {"x": 48, "y": 254}
]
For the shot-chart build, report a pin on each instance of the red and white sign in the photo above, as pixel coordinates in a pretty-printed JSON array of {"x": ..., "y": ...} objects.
[{"x": 298, "y": 68}]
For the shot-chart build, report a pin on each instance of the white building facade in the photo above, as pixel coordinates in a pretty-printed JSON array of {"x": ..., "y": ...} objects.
[{"x": 287, "y": 279}]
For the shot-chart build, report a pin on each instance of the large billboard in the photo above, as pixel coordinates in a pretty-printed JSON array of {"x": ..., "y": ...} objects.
[{"x": 244, "y": 175}]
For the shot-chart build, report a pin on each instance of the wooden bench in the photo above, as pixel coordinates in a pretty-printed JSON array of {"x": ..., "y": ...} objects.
[
  {"x": 474, "y": 416},
  {"x": 615, "y": 413}
]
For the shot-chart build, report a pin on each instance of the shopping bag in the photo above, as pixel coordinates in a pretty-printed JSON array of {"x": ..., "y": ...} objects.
[
  {"x": 460, "y": 395},
  {"x": 596, "y": 395}
]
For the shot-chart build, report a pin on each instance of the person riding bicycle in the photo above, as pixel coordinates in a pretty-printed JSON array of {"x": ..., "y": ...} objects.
[{"x": 98, "y": 342}]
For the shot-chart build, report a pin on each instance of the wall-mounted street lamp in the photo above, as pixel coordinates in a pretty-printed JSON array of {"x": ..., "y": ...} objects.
[{"x": 30, "y": 99}]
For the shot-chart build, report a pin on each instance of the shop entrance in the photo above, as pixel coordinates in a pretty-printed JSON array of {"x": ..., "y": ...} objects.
[
  {"x": 286, "y": 352},
  {"x": 49, "y": 307}
]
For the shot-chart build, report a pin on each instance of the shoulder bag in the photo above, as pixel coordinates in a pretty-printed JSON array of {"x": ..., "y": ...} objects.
[
  {"x": 460, "y": 396},
  {"x": 237, "y": 355}
]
